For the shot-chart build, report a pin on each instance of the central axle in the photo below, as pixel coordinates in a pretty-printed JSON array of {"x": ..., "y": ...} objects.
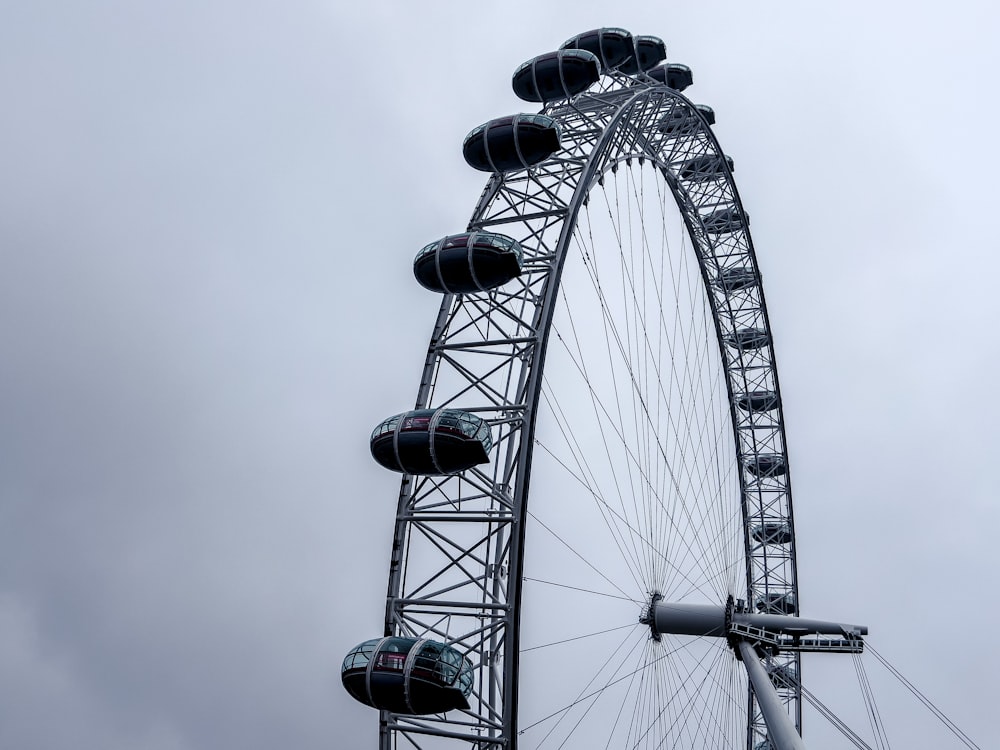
[{"x": 751, "y": 635}]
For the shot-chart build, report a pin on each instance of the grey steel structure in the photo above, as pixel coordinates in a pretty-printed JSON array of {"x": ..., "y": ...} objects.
[{"x": 457, "y": 570}]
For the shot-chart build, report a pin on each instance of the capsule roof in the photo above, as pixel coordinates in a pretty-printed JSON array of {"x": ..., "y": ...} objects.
[
  {"x": 513, "y": 142},
  {"x": 673, "y": 75},
  {"x": 556, "y": 75},
  {"x": 612, "y": 46},
  {"x": 649, "y": 52},
  {"x": 707, "y": 113}
]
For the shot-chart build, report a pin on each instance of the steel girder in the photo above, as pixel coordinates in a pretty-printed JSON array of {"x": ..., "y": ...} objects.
[{"x": 457, "y": 542}]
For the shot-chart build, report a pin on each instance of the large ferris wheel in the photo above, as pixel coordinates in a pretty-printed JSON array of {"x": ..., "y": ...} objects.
[{"x": 602, "y": 336}]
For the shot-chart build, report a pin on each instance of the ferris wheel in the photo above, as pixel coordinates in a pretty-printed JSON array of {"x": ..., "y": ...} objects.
[{"x": 603, "y": 336}]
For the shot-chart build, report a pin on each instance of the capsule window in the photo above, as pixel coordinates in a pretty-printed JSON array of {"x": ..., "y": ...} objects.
[
  {"x": 390, "y": 661},
  {"x": 359, "y": 656},
  {"x": 387, "y": 426}
]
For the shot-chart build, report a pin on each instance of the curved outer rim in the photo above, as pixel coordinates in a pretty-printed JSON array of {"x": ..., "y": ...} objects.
[
  {"x": 534, "y": 386},
  {"x": 614, "y": 144}
]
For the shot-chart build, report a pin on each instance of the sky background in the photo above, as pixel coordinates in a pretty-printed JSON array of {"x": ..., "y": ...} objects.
[{"x": 208, "y": 212}]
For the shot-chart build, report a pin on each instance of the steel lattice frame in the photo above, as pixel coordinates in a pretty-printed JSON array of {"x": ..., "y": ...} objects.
[{"x": 457, "y": 553}]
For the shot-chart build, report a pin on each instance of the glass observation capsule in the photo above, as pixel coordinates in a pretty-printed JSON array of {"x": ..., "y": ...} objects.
[
  {"x": 735, "y": 279},
  {"x": 682, "y": 120},
  {"x": 772, "y": 532},
  {"x": 776, "y": 602},
  {"x": 724, "y": 221},
  {"x": 556, "y": 75},
  {"x": 649, "y": 52},
  {"x": 429, "y": 441},
  {"x": 468, "y": 262},
  {"x": 767, "y": 465},
  {"x": 612, "y": 46},
  {"x": 753, "y": 401},
  {"x": 407, "y": 676},
  {"x": 514, "y": 142},
  {"x": 673, "y": 75},
  {"x": 746, "y": 338},
  {"x": 705, "y": 168}
]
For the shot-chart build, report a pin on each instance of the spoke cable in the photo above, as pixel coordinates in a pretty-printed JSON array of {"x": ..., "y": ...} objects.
[
  {"x": 874, "y": 719},
  {"x": 966, "y": 740},
  {"x": 578, "y": 637},
  {"x": 577, "y": 588}
]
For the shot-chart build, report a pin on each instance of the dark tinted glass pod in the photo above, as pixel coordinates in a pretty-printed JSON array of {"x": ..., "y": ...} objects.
[
  {"x": 735, "y": 279},
  {"x": 767, "y": 465},
  {"x": 724, "y": 221},
  {"x": 556, "y": 75},
  {"x": 468, "y": 262},
  {"x": 673, "y": 75},
  {"x": 434, "y": 442},
  {"x": 612, "y": 46},
  {"x": 650, "y": 51},
  {"x": 773, "y": 532},
  {"x": 509, "y": 143},
  {"x": 705, "y": 168},
  {"x": 681, "y": 120},
  {"x": 755, "y": 401},
  {"x": 746, "y": 338},
  {"x": 407, "y": 676}
]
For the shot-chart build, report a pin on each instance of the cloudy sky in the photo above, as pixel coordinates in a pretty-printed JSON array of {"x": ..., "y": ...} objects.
[{"x": 207, "y": 216}]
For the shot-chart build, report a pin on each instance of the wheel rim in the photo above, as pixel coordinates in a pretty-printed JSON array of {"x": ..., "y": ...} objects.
[
  {"x": 636, "y": 488},
  {"x": 459, "y": 546}
]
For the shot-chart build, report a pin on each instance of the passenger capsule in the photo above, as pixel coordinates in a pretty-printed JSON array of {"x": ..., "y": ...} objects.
[
  {"x": 408, "y": 676},
  {"x": 612, "y": 46},
  {"x": 735, "y": 279},
  {"x": 724, "y": 221},
  {"x": 470, "y": 262},
  {"x": 776, "y": 602},
  {"x": 705, "y": 168},
  {"x": 758, "y": 401},
  {"x": 767, "y": 465},
  {"x": 673, "y": 75},
  {"x": 746, "y": 338},
  {"x": 650, "y": 51},
  {"x": 429, "y": 441},
  {"x": 681, "y": 120},
  {"x": 773, "y": 532},
  {"x": 508, "y": 143},
  {"x": 556, "y": 75}
]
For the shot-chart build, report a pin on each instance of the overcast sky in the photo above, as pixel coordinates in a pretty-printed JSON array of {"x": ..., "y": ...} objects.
[{"x": 208, "y": 212}]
